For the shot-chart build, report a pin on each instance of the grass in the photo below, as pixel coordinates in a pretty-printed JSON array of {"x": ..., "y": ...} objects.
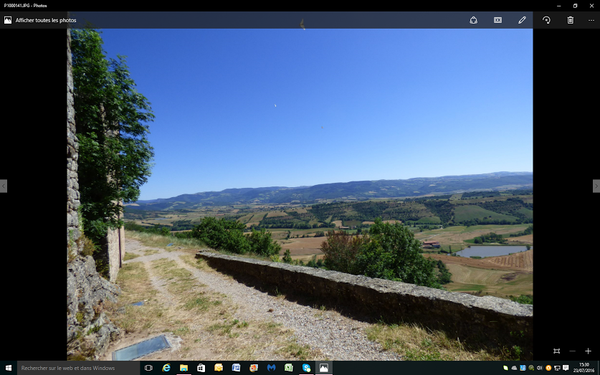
[
  {"x": 155, "y": 240},
  {"x": 499, "y": 283},
  {"x": 465, "y": 213},
  {"x": 204, "y": 320},
  {"x": 415, "y": 343}
]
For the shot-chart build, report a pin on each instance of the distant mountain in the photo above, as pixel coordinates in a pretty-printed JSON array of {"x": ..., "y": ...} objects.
[{"x": 354, "y": 190}]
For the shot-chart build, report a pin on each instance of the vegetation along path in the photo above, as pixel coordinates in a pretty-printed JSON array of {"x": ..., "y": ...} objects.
[{"x": 210, "y": 315}]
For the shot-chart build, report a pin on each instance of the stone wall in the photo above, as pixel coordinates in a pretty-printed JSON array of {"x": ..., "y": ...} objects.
[
  {"x": 115, "y": 248},
  {"x": 73, "y": 234},
  {"x": 480, "y": 321},
  {"x": 89, "y": 331},
  {"x": 114, "y": 243}
]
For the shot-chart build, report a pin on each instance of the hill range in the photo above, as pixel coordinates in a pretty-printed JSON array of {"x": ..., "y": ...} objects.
[{"x": 355, "y": 190}]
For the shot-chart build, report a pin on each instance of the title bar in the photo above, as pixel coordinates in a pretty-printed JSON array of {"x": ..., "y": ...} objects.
[{"x": 269, "y": 20}]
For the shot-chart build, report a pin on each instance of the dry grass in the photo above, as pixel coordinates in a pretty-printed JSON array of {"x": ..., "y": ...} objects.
[
  {"x": 155, "y": 240},
  {"x": 204, "y": 320},
  {"x": 415, "y": 343}
]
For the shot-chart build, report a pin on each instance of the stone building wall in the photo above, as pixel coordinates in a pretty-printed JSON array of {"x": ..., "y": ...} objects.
[
  {"x": 89, "y": 330},
  {"x": 116, "y": 251},
  {"x": 114, "y": 245},
  {"x": 73, "y": 234}
]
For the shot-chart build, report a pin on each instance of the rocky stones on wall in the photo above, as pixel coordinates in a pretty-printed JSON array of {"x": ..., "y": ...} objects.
[
  {"x": 73, "y": 232},
  {"x": 88, "y": 328}
]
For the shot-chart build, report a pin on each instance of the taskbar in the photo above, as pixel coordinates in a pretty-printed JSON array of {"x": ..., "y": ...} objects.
[{"x": 295, "y": 367}]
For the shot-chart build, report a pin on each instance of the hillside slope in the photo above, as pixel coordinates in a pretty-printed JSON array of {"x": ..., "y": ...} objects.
[{"x": 354, "y": 190}]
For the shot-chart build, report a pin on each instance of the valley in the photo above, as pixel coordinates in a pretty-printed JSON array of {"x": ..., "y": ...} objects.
[{"x": 453, "y": 220}]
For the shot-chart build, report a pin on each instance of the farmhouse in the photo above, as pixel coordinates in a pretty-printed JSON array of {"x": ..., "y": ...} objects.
[{"x": 430, "y": 244}]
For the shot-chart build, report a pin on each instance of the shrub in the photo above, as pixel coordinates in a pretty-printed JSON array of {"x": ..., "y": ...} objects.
[
  {"x": 341, "y": 250},
  {"x": 88, "y": 246},
  {"x": 262, "y": 244},
  {"x": 388, "y": 252},
  {"x": 220, "y": 234},
  {"x": 229, "y": 235}
]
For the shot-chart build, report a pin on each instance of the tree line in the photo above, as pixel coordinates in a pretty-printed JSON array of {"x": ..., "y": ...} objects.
[{"x": 490, "y": 238}]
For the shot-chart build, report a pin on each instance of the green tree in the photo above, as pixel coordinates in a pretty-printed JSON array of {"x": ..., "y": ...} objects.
[
  {"x": 394, "y": 253},
  {"x": 262, "y": 244},
  {"x": 114, "y": 152},
  {"x": 387, "y": 252},
  {"x": 287, "y": 257},
  {"x": 223, "y": 234},
  {"x": 444, "y": 276}
]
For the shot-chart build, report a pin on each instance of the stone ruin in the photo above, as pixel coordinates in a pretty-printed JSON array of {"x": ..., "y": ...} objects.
[{"x": 89, "y": 330}]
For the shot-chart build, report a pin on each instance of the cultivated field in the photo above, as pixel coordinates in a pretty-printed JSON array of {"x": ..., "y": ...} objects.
[
  {"x": 456, "y": 235},
  {"x": 499, "y": 276}
]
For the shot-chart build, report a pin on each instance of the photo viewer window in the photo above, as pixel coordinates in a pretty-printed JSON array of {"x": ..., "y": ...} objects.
[{"x": 303, "y": 192}]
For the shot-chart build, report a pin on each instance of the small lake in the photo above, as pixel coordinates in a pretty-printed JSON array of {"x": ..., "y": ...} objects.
[{"x": 490, "y": 251}]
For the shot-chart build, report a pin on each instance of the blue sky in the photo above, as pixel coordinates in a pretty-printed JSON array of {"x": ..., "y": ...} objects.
[{"x": 279, "y": 107}]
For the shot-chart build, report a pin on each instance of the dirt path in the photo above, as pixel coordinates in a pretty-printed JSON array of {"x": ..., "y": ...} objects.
[{"x": 240, "y": 315}]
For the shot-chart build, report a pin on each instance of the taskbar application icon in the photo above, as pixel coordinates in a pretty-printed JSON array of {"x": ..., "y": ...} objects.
[{"x": 240, "y": 367}]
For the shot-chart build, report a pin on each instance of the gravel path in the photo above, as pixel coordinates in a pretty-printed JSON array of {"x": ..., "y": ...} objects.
[{"x": 336, "y": 336}]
